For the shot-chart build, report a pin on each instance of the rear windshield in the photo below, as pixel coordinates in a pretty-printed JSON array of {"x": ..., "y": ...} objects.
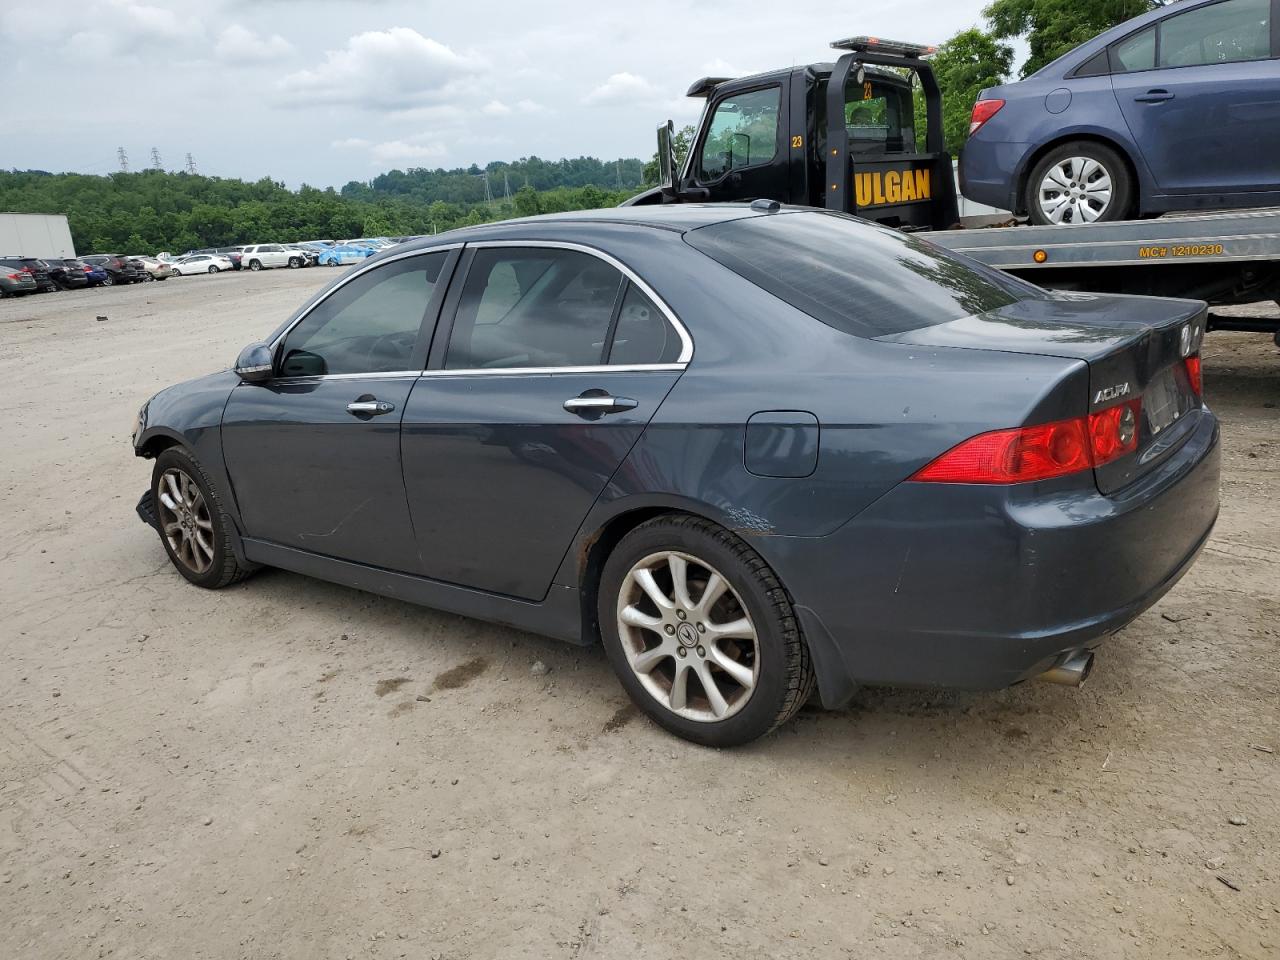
[{"x": 862, "y": 279}]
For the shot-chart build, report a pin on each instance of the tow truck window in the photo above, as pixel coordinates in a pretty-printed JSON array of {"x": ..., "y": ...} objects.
[
  {"x": 743, "y": 133},
  {"x": 1222, "y": 33},
  {"x": 879, "y": 117}
]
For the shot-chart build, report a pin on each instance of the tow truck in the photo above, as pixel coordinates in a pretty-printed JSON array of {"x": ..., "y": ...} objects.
[{"x": 842, "y": 136}]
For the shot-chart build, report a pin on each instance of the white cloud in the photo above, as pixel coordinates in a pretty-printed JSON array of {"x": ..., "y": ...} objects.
[
  {"x": 385, "y": 69},
  {"x": 495, "y": 108},
  {"x": 239, "y": 45},
  {"x": 530, "y": 106},
  {"x": 350, "y": 143},
  {"x": 125, "y": 27},
  {"x": 621, "y": 88},
  {"x": 400, "y": 151}
]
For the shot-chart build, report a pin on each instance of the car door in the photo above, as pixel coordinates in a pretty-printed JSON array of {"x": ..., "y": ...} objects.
[
  {"x": 1201, "y": 97},
  {"x": 736, "y": 157},
  {"x": 314, "y": 452},
  {"x": 555, "y": 360}
]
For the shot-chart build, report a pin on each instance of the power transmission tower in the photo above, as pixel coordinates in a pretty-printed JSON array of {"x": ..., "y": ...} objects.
[
  {"x": 191, "y": 164},
  {"x": 619, "y": 174},
  {"x": 506, "y": 187},
  {"x": 155, "y": 159},
  {"x": 123, "y": 158},
  {"x": 488, "y": 193}
]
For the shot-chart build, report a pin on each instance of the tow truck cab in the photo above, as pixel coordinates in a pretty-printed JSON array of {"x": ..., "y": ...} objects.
[{"x": 837, "y": 135}]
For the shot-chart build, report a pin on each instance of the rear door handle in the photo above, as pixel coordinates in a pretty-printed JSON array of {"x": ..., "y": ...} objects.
[
  {"x": 370, "y": 408},
  {"x": 1154, "y": 96},
  {"x": 599, "y": 404}
]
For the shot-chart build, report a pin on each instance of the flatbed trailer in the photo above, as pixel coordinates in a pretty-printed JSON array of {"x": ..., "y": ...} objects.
[{"x": 1224, "y": 259}]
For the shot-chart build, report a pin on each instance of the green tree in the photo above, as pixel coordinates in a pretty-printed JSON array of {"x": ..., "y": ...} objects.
[
  {"x": 1054, "y": 27},
  {"x": 964, "y": 65}
]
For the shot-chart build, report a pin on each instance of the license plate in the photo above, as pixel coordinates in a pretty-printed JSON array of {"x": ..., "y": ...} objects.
[{"x": 1161, "y": 402}]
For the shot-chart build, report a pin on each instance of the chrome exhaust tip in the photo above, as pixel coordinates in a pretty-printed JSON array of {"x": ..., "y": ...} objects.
[{"x": 1071, "y": 672}]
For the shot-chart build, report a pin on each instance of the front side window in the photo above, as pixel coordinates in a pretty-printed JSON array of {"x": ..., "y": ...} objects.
[
  {"x": 533, "y": 307},
  {"x": 1222, "y": 33},
  {"x": 743, "y": 133},
  {"x": 368, "y": 325}
]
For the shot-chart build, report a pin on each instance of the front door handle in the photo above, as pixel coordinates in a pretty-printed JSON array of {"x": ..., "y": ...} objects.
[
  {"x": 599, "y": 404},
  {"x": 1154, "y": 96},
  {"x": 369, "y": 408}
]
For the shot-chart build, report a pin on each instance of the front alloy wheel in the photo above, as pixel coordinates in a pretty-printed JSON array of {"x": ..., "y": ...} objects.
[
  {"x": 185, "y": 522},
  {"x": 697, "y": 658}
]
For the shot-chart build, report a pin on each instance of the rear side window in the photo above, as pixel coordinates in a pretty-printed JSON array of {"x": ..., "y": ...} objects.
[
  {"x": 533, "y": 307},
  {"x": 1137, "y": 52},
  {"x": 1222, "y": 33},
  {"x": 860, "y": 278},
  {"x": 1098, "y": 65}
]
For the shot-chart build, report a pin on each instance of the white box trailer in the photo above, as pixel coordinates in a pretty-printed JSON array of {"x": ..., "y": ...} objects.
[{"x": 35, "y": 235}]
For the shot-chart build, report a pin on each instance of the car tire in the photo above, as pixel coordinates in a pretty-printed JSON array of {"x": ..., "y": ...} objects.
[
  {"x": 194, "y": 529},
  {"x": 255, "y": 265},
  {"x": 294, "y": 263},
  {"x": 213, "y": 268},
  {"x": 761, "y": 671},
  {"x": 108, "y": 282},
  {"x": 1056, "y": 187}
]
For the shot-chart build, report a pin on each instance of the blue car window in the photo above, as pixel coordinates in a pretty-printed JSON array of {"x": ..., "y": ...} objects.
[
  {"x": 1222, "y": 33},
  {"x": 533, "y": 307},
  {"x": 1136, "y": 52},
  {"x": 368, "y": 325}
]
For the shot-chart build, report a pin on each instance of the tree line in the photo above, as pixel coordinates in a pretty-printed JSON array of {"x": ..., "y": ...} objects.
[{"x": 154, "y": 210}]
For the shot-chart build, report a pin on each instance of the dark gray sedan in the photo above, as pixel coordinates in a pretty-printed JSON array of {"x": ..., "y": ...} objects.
[{"x": 750, "y": 449}]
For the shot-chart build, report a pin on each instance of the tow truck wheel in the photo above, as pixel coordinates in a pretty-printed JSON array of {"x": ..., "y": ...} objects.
[{"x": 1079, "y": 182}]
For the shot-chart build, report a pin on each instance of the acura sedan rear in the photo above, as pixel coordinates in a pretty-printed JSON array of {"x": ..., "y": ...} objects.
[{"x": 749, "y": 450}]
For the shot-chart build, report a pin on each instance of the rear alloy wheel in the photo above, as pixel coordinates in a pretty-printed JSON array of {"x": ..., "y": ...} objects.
[
  {"x": 195, "y": 532},
  {"x": 701, "y": 633},
  {"x": 108, "y": 282},
  {"x": 1081, "y": 182},
  {"x": 213, "y": 268},
  {"x": 255, "y": 265}
]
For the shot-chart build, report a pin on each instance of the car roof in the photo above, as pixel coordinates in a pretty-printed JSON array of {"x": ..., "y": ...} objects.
[{"x": 1077, "y": 55}]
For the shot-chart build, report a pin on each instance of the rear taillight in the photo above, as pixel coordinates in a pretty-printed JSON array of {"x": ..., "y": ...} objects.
[
  {"x": 1194, "y": 374},
  {"x": 1113, "y": 432},
  {"x": 15, "y": 276},
  {"x": 983, "y": 111},
  {"x": 1042, "y": 452}
]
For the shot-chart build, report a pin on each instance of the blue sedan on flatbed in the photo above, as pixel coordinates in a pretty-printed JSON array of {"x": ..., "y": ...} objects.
[
  {"x": 748, "y": 448},
  {"x": 1178, "y": 109}
]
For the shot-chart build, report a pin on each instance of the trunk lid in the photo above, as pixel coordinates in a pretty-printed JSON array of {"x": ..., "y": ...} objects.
[{"x": 1135, "y": 348}]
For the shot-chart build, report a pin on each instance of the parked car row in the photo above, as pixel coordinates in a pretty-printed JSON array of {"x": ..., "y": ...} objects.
[{"x": 22, "y": 275}]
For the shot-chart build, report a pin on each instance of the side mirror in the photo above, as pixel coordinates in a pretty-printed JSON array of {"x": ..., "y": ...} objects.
[
  {"x": 255, "y": 363},
  {"x": 667, "y": 156}
]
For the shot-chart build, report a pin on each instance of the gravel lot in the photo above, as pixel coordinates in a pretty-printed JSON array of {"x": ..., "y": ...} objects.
[{"x": 292, "y": 769}]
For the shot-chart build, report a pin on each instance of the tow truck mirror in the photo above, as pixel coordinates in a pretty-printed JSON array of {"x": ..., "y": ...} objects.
[{"x": 666, "y": 155}]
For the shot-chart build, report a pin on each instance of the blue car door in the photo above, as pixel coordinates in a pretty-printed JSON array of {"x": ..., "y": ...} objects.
[
  {"x": 551, "y": 370},
  {"x": 1201, "y": 97},
  {"x": 314, "y": 452}
]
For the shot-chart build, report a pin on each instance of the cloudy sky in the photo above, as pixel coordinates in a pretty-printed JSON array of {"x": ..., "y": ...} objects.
[{"x": 326, "y": 91}]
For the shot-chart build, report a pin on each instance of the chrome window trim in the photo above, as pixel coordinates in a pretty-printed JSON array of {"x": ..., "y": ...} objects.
[
  {"x": 326, "y": 294},
  {"x": 552, "y": 371},
  {"x": 686, "y": 341}
]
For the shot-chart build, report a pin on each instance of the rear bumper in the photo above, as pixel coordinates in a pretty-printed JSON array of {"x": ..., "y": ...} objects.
[
  {"x": 981, "y": 587},
  {"x": 989, "y": 171}
]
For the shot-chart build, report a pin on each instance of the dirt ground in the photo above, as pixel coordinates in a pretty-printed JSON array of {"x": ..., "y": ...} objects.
[{"x": 293, "y": 769}]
